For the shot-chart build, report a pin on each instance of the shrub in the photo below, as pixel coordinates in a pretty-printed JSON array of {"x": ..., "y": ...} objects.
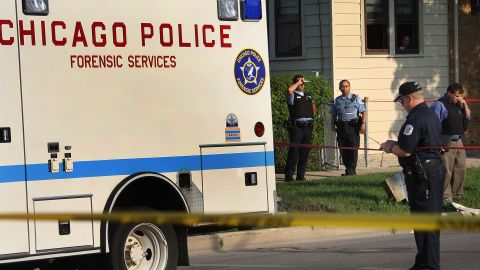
[{"x": 320, "y": 90}]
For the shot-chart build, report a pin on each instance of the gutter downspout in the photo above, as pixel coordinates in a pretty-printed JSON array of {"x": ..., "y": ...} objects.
[
  {"x": 332, "y": 78},
  {"x": 321, "y": 38},
  {"x": 455, "y": 41}
]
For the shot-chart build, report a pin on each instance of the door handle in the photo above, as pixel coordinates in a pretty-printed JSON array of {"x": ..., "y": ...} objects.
[{"x": 5, "y": 135}]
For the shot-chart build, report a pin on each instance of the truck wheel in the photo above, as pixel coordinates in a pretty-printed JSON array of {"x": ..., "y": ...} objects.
[{"x": 144, "y": 246}]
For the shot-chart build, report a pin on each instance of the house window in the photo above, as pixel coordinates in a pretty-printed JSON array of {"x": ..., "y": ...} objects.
[
  {"x": 288, "y": 31},
  {"x": 475, "y": 6},
  {"x": 376, "y": 26},
  {"x": 406, "y": 26},
  {"x": 398, "y": 17}
]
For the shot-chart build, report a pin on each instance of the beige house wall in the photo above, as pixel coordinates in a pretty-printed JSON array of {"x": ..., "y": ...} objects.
[{"x": 378, "y": 77}]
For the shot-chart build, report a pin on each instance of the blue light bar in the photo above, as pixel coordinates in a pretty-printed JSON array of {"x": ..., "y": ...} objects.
[
  {"x": 35, "y": 7},
  {"x": 251, "y": 10}
]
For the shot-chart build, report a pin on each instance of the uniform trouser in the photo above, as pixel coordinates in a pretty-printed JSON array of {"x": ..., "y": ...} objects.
[
  {"x": 455, "y": 162},
  {"x": 298, "y": 135},
  {"x": 428, "y": 243},
  {"x": 348, "y": 135}
]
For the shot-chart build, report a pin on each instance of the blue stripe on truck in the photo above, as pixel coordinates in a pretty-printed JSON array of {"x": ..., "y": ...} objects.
[{"x": 98, "y": 168}]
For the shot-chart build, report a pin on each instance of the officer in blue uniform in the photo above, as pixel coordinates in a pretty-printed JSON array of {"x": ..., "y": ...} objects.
[
  {"x": 348, "y": 125},
  {"x": 301, "y": 108},
  {"x": 422, "y": 167}
]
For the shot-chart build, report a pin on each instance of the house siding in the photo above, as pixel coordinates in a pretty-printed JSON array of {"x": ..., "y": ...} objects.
[{"x": 378, "y": 77}]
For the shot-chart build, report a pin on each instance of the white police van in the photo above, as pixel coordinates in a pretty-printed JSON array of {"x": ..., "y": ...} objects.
[{"x": 130, "y": 105}]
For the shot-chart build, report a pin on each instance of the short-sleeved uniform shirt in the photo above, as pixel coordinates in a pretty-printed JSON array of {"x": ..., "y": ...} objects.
[
  {"x": 422, "y": 128},
  {"x": 347, "y": 108}
]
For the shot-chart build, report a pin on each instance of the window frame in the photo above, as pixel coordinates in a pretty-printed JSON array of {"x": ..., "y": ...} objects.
[
  {"x": 272, "y": 29},
  {"x": 366, "y": 23},
  {"x": 474, "y": 7},
  {"x": 405, "y": 22},
  {"x": 392, "y": 52}
]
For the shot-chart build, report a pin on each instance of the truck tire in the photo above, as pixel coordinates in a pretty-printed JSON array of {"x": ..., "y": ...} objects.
[{"x": 144, "y": 246}]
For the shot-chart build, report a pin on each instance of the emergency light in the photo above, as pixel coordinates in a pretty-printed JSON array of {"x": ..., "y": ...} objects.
[
  {"x": 251, "y": 10},
  {"x": 228, "y": 10},
  {"x": 35, "y": 7}
]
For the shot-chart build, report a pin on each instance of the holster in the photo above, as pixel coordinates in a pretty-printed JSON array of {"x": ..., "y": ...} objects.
[
  {"x": 358, "y": 122},
  {"x": 418, "y": 170},
  {"x": 289, "y": 124}
]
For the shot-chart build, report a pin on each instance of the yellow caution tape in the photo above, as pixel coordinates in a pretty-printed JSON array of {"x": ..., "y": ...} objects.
[{"x": 427, "y": 222}]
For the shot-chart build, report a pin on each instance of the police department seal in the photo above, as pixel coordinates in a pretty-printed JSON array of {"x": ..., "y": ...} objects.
[{"x": 249, "y": 71}]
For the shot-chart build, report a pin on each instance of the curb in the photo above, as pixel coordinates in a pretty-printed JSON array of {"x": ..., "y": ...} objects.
[{"x": 254, "y": 238}]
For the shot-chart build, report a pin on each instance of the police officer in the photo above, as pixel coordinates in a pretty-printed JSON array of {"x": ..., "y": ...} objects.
[
  {"x": 422, "y": 168},
  {"x": 302, "y": 109},
  {"x": 348, "y": 125}
]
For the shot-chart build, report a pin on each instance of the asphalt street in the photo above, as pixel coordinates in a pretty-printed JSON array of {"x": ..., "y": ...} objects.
[{"x": 394, "y": 252}]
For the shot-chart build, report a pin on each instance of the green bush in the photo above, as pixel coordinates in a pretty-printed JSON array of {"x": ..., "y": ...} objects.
[{"x": 320, "y": 90}]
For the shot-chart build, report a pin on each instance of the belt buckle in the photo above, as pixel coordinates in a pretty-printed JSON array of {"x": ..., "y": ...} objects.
[{"x": 300, "y": 124}]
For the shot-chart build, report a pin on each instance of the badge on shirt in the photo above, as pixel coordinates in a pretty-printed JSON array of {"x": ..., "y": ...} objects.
[{"x": 408, "y": 130}]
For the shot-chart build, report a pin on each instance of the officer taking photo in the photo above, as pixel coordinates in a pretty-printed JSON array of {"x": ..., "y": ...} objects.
[
  {"x": 422, "y": 168},
  {"x": 302, "y": 109}
]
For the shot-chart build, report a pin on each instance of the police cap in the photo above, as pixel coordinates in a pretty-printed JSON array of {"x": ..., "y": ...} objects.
[{"x": 407, "y": 88}]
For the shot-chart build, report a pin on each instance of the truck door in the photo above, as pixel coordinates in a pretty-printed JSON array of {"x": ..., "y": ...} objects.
[
  {"x": 12, "y": 160},
  {"x": 234, "y": 178}
]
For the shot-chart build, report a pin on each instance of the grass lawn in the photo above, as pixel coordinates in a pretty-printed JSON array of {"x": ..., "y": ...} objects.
[{"x": 361, "y": 193}]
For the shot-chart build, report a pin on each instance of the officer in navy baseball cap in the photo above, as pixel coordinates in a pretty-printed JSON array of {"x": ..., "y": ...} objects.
[
  {"x": 418, "y": 152},
  {"x": 407, "y": 89}
]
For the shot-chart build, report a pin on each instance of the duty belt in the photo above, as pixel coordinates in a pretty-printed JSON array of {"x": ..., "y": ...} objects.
[
  {"x": 428, "y": 163},
  {"x": 347, "y": 122},
  {"x": 353, "y": 122},
  {"x": 303, "y": 123}
]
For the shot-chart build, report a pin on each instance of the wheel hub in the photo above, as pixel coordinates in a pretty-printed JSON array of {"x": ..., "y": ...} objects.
[
  {"x": 134, "y": 252},
  {"x": 145, "y": 248}
]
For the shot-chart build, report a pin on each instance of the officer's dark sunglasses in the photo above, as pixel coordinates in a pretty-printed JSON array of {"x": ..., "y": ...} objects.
[{"x": 400, "y": 100}]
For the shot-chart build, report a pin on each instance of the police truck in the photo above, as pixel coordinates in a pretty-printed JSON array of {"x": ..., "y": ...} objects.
[{"x": 118, "y": 105}]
